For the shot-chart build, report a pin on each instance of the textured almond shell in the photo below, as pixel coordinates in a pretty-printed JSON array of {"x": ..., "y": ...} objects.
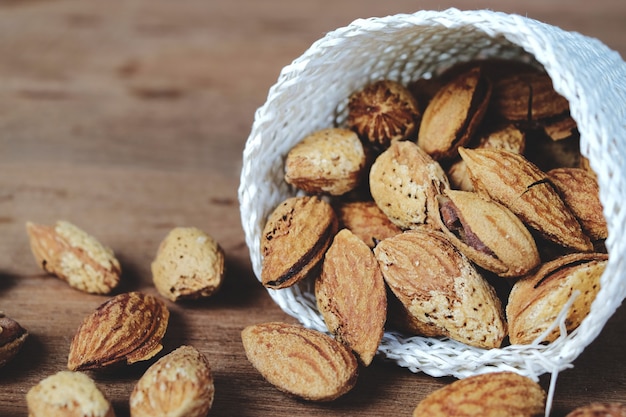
[
  {"x": 67, "y": 394},
  {"x": 189, "y": 264},
  {"x": 126, "y": 328},
  {"x": 12, "y": 338},
  {"x": 515, "y": 182},
  {"x": 495, "y": 394},
  {"x": 453, "y": 115},
  {"x": 180, "y": 384},
  {"x": 76, "y": 257},
  {"x": 535, "y": 301},
  {"x": 598, "y": 409},
  {"x": 579, "y": 190},
  {"x": 300, "y": 361},
  {"x": 404, "y": 182},
  {"x": 441, "y": 288},
  {"x": 366, "y": 220},
  {"x": 514, "y": 250},
  {"x": 328, "y": 161},
  {"x": 351, "y": 295}
]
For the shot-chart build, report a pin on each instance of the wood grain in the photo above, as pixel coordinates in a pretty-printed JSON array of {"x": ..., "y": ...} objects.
[{"x": 129, "y": 118}]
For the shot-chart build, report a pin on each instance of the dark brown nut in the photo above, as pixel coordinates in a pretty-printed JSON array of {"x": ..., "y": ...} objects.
[
  {"x": 487, "y": 395},
  {"x": 351, "y": 295},
  {"x": 294, "y": 240},
  {"x": 299, "y": 361},
  {"x": 512, "y": 180},
  {"x": 404, "y": 182},
  {"x": 580, "y": 191},
  {"x": 383, "y": 112},
  {"x": 12, "y": 338},
  {"x": 328, "y": 161},
  {"x": 488, "y": 233},
  {"x": 454, "y": 114},
  {"x": 366, "y": 220},
  {"x": 441, "y": 289},
  {"x": 536, "y": 301}
]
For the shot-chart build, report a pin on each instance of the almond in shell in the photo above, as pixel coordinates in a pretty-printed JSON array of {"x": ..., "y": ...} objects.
[
  {"x": 70, "y": 253},
  {"x": 302, "y": 362},
  {"x": 127, "y": 328},
  {"x": 179, "y": 384},
  {"x": 441, "y": 289},
  {"x": 294, "y": 240},
  {"x": 512, "y": 180},
  {"x": 351, "y": 295},
  {"x": 12, "y": 338},
  {"x": 536, "y": 301},
  {"x": 599, "y": 409},
  {"x": 404, "y": 182},
  {"x": 487, "y": 395},
  {"x": 67, "y": 394},
  {"x": 366, "y": 220},
  {"x": 488, "y": 233}
]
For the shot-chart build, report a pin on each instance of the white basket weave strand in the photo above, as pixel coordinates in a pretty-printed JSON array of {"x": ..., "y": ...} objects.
[{"x": 311, "y": 94}]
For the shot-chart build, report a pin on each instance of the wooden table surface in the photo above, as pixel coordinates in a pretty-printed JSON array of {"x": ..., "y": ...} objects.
[{"x": 129, "y": 118}]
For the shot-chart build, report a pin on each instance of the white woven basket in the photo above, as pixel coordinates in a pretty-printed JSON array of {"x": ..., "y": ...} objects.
[{"x": 311, "y": 93}]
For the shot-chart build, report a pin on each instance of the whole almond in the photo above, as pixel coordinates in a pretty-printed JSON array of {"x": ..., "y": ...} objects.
[
  {"x": 189, "y": 264},
  {"x": 67, "y": 394},
  {"x": 12, "y": 338},
  {"x": 328, "y": 161},
  {"x": 441, "y": 289},
  {"x": 126, "y": 328},
  {"x": 73, "y": 255},
  {"x": 488, "y": 233},
  {"x": 512, "y": 180},
  {"x": 294, "y": 240},
  {"x": 598, "y": 409},
  {"x": 351, "y": 295},
  {"x": 299, "y": 361},
  {"x": 487, "y": 395},
  {"x": 180, "y": 384},
  {"x": 404, "y": 182},
  {"x": 535, "y": 301},
  {"x": 454, "y": 114}
]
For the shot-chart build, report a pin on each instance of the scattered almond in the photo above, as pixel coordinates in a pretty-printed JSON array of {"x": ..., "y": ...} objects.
[
  {"x": 180, "y": 384},
  {"x": 73, "y": 255},
  {"x": 12, "y": 338},
  {"x": 67, "y": 394},
  {"x": 126, "y": 328},
  {"x": 189, "y": 264},
  {"x": 299, "y": 361},
  {"x": 598, "y": 409}
]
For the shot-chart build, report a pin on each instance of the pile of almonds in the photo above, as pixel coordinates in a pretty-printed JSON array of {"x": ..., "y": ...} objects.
[
  {"x": 127, "y": 328},
  {"x": 456, "y": 207}
]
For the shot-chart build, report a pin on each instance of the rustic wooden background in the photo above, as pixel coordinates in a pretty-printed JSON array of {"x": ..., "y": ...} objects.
[{"x": 129, "y": 118}]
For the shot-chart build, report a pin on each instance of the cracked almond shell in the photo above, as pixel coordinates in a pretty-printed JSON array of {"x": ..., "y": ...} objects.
[
  {"x": 383, "y": 112},
  {"x": 536, "y": 301},
  {"x": 454, "y": 114},
  {"x": 12, "y": 338},
  {"x": 441, "y": 289},
  {"x": 127, "y": 328},
  {"x": 512, "y": 180},
  {"x": 404, "y": 182},
  {"x": 299, "y": 361},
  {"x": 488, "y": 233},
  {"x": 297, "y": 234},
  {"x": 351, "y": 295}
]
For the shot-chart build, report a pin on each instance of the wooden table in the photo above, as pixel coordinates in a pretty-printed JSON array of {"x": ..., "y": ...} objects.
[{"x": 129, "y": 118}]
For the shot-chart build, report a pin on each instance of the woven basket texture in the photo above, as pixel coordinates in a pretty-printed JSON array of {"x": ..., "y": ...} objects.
[{"x": 311, "y": 93}]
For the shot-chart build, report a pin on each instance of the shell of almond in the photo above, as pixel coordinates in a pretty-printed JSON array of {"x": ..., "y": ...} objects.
[
  {"x": 76, "y": 257},
  {"x": 488, "y": 233},
  {"x": 67, "y": 394},
  {"x": 536, "y": 301},
  {"x": 441, "y": 289},
  {"x": 126, "y": 328},
  {"x": 179, "y": 384},
  {"x": 12, "y": 338}
]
